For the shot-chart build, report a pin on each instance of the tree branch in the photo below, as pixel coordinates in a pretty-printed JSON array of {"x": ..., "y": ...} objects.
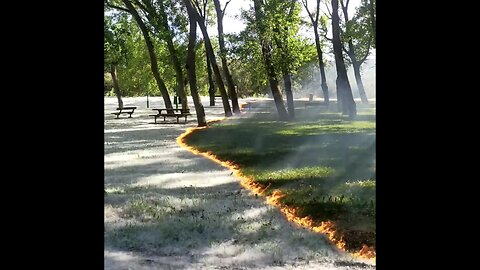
[
  {"x": 329, "y": 12},
  {"x": 225, "y": 7},
  {"x": 116, "y": 7},
  {"x": 205, "y": 2},
  {"x": 318, "y": 11},
  {"x": 304, "y": 2},
  {"x": 345, "y": 50},
  {"x": 368, "y": 50},
  {"x": 196, "y": 5},
  {"x": 327, "y": 38},
  {"x": 147, "y": 10},
  {"x": 197, "y": 8},
  {"x": 345, "y": 11},
  {"x": 143, "y": 7}
]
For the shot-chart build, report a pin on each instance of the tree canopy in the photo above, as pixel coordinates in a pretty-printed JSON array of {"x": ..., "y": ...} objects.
[{"x": 292, "y": 53}]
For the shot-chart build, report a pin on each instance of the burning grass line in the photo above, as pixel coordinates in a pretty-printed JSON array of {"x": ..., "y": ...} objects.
[{"x": 328, "y": 227}]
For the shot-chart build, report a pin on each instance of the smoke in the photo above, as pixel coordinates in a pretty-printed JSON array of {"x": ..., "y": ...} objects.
[{"x": 308, "y": 80}]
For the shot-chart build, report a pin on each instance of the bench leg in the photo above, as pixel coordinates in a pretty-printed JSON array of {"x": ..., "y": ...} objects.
[
  {"x": 177, "y": 119},
  {"x": 155, "y": 119},
  {"x": 130, "y": 116},
  {"x": 185, "y": 119}
]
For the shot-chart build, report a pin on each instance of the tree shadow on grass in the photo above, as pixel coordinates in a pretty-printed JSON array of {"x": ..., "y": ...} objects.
[
  {"x": 184, "y": 212},
  {"x": 219, "y": 225}
]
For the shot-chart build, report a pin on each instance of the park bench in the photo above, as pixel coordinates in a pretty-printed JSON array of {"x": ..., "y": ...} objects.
[
  {"x": 177, "y": 113},
  {"x": 125, "y": 110}
]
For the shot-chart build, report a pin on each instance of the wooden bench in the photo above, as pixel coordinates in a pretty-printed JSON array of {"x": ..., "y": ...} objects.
[
  {"x": 181, "y": 113},
  {"x": 125, "y": 110}
]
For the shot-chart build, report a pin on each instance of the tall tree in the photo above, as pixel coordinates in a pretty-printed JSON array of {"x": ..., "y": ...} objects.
[
  {"x": 151, "y": 50},
  {"x": 285, "y": 25},
  {"x": 247, "y": 59},
  {"x": 314, "y": 20},
  {"x": 158, "y": 18},
  {"x": 116, "y": 88},
  {"x": 211, "y": 84},
  {"x": 192, "y": 77},
  {"x": 266, "y": 45},
  {"x": 351, "y": 52},
  {"x": 192, "y": 11},
  {"x": 344, "y": 91},
  {"x": 114, "y": 52},
  {"x": 223, "y": 55}
]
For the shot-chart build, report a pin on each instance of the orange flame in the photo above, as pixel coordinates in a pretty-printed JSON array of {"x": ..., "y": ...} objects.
[
  {"x": 366, "y": 252},
  {"x": 325, "y": 227}
]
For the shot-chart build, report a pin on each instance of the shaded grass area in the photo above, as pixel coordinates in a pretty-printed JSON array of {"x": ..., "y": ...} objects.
[
  {"x": 323, "y": 162},
  {"x": 190, "y": 221}
]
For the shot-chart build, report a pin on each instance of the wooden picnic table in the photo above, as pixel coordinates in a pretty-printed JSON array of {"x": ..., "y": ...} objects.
[
  {"x": 174, "y": 109},
  {"x": 181, "y": 113},
  {"x": 125, "y": 110}
]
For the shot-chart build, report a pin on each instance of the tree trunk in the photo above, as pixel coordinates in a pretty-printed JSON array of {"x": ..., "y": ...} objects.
[
  {"x": 321, "y": 65},
  {"x": 358, "y": 79},
  {"x": 116, "y": 88},
  {"x": 277, "y": 95},
  {"x": 192, "y": 77},
  {"x": 223, "y": 56},
  {"x": 355, "y": 63},
  {"x": 211, "y": 55},
  {"x": 344, "y": 91},
  {"x": 173, "y": 57},
  {"x": 152, "y": 55},
  {"x": 211, "y": 84},
  {"x": 287, "y": 80}
]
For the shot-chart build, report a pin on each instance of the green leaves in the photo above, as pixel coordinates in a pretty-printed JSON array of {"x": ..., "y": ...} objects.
[
  {"x": 323, "y": 22},
  {"x": 360, "y": 31}
]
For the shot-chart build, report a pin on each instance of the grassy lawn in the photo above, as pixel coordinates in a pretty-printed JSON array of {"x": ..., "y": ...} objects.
[{"x": 323, "y": 162}]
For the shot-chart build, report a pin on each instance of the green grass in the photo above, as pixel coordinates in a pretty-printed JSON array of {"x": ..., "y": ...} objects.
[{"x": 323, "y": 162}]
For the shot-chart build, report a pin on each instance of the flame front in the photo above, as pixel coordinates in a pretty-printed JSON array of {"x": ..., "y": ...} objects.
[{"x": 325, "y": 227}]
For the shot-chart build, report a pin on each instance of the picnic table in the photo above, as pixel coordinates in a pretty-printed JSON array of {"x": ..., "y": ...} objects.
[
  {"x": 125, "y": 110},
  {"x": 175, "y": 112}
]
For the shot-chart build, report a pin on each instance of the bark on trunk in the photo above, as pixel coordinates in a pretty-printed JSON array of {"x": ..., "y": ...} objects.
[
  {"x": 116, "y": 88},
  {"x": 211, "y": 84},
  {"x": 277, "y": 95},
  {"x": 321, "y": 65},
  {"x": 223, "y": 55},
  {"x": 211, "y": 55},
  {"x": 192, "y": 77},
  {"x": 152, "y": 55},
  {"x": 358, "y": 79},
  {"x": 344, "y": 91},
  {"x": 287, "y": 80}
]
